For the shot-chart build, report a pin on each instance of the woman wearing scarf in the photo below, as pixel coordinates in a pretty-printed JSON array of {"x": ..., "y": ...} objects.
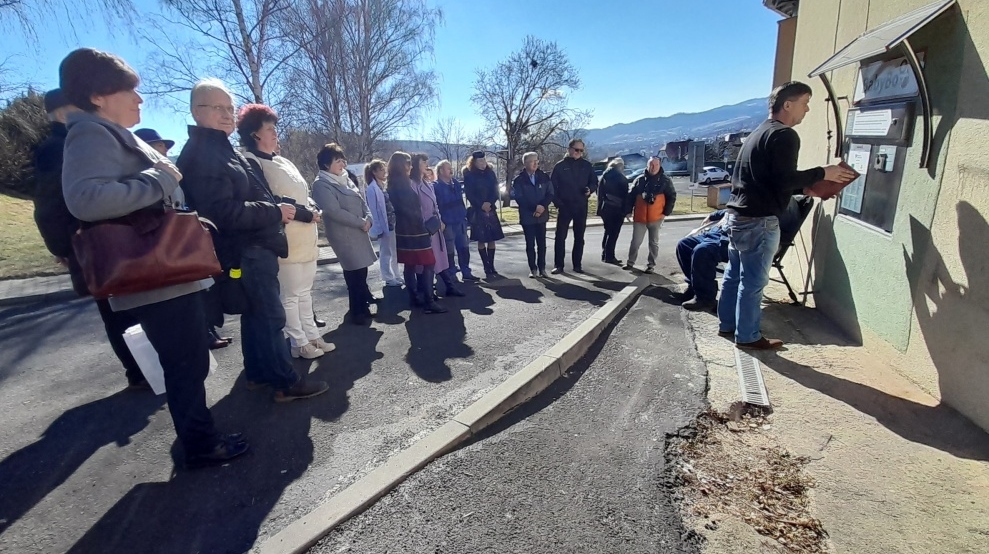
[{"x": 347, "y": 221}]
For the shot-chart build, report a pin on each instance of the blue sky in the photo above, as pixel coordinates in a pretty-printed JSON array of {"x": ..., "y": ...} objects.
[{"x": 637, "y": 58}]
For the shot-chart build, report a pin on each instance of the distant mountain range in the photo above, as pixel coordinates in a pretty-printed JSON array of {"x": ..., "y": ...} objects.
[
  {"x": 652, "y": 133},
  {"x": 648, "y": 134}
]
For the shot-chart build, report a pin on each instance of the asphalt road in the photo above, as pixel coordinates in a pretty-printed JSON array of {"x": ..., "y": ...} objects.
[
  {"x": 578, "y": 469},
  {"x": 85, "y": 467}
]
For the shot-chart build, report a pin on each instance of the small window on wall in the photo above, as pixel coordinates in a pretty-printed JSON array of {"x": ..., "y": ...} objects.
[{"x": 872, "y": 198}]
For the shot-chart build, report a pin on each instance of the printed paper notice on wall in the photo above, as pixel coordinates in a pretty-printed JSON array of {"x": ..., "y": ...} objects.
[
  {"x": 872, "y": 123},
  {"x": 851, "y": 196}
]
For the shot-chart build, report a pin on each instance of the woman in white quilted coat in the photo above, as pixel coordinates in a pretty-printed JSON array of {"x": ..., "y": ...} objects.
[{"x": 256, "y": 127}]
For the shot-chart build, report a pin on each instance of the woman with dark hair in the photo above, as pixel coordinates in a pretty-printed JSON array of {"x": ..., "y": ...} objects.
[
  {"x": 413, "y": 241},
  {"x": 347, "y": 221},
  {"x": 296, "y": 273},
  {"x": 107, "y": 174},
  {"x": 383, "y": 228},
  {"x": 612, "y": 193},
  {"x": 481, "y": 188}
]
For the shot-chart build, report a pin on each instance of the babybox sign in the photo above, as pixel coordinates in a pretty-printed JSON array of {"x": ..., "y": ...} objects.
[{"x": 884, "y": 80}]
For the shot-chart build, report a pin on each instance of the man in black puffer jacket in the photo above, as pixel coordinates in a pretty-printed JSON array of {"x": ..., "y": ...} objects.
[
  {"x": 220, "y": 184},
  {"x": 573, "y": 182}
]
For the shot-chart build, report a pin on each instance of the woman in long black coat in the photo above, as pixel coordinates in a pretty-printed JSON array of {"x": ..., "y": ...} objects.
[
  {"x": 481, "y": 188},
  {"x": 612, "y": 194}
]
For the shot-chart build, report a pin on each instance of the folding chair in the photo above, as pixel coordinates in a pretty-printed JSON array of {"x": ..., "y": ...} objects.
[{"x": 793, "y": 219}]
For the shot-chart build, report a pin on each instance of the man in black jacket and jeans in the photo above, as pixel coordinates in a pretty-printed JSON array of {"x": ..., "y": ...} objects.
[
  {"x": 573, "y": 182},
  {"x": 57, "y": 225},
  {"x": 765, "y": 179},
  {"x": 220, "y": 184}
]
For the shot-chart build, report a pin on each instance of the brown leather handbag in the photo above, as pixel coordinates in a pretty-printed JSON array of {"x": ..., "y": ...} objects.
[{"x": 146, "y": 250}]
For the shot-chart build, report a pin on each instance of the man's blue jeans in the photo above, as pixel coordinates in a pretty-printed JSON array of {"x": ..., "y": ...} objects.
[
  {"x": 753, "y": 244},
  {"x": 457, "y": 241},
  {"x": 266, "y": 354},
  {"x": 699, "y": 256}
]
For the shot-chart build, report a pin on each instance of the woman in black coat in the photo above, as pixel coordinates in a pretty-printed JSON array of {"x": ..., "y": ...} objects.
[
  {"x": 612, "y": 193},
  {"x": 481, "y": 188}
]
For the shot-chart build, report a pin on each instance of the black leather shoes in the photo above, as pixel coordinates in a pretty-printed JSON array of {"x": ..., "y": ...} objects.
[{"x": 227, "y": 448}]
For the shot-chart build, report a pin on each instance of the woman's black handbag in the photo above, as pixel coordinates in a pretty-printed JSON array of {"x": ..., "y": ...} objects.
[
  {"x": 612, "y": 207},
  {"x": 432, "y": 225}
]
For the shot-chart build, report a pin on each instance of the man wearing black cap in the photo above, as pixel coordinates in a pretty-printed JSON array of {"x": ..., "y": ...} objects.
[{"x": 57, "y": 225}]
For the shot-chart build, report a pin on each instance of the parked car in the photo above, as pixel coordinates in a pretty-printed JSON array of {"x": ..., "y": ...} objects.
[
  {"x": 711, "y": 174},
  {"x": 634, "y": 174}
]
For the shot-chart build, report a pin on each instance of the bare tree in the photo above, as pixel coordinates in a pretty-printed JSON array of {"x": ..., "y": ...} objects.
[
  {"x": 361, "y": 74},
  {"x": 450, "y": 139},
  {"x": 238, "y": 41},
  {"x": 27, "y": 15},
  {"x": 524, "y": 97}
]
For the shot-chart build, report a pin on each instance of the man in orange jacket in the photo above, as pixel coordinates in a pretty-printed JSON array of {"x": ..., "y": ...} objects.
[{"x": 654, "y": 196}]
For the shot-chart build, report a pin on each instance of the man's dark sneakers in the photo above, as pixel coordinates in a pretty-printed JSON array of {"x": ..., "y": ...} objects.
[
  {"x": 613, "y": 262},
  {"x": 762, "y": 344},
  {"x": 727, "y": 334},
  {"x": 301, "y": 390},
  {"x": 532, "y": 273},
  {"x": 697, "y": 305},
  {"x": 542, "y": 273},
  {"x": 470, "y": 278},
  {"x": 578, "y": 270},
  {"x": 557, "y": 270},
  {"x": 227, "y": 448}
]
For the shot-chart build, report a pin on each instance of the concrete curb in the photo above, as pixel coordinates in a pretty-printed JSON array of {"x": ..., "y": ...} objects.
[
  {"x": 55, "y": 296},
  {"x": 534, "y": 378}
]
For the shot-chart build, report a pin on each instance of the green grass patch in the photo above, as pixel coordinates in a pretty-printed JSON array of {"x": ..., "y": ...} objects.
[
  {"x": 22, "y": 252},
  {"x": 510, "y": 216}
]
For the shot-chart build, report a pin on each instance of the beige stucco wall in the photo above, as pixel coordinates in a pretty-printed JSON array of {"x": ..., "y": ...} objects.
[
  {"x": 785, "y": 36},
  {"x": 921, "y": 290}
]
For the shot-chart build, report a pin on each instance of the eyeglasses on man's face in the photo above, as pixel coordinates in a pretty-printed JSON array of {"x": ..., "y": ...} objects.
[
  {"x": 225, "y": 110},
  {"x": 578, "y": 150}
]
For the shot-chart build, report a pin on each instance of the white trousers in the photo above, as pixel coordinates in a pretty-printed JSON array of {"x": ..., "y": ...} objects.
[
  {"x": 638, "y": 233},
  {"x": 388, "y": 259},
  {"x": 295, "y": 282}
]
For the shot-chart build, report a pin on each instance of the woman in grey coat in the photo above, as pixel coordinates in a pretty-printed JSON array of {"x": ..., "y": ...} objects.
[
  {"x": 109, "y": 173},
  {"x": 347, "y": 220}
]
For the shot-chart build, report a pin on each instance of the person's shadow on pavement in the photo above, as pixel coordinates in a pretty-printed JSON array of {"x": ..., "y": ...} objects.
[
  {"x": 434, "y": 339},
  {"x": 222, "y": 509},
  {"x": 514, "y": 289},
  {"x": 30, "y": 474},
  {"x": 938, "y": 426}
]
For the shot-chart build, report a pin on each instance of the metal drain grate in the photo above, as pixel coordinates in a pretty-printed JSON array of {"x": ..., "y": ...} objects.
[{"x": 750, "y": 379}]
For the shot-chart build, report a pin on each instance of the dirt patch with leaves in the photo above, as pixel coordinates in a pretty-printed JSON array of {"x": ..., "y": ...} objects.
[{"x": 730, "y": 468}]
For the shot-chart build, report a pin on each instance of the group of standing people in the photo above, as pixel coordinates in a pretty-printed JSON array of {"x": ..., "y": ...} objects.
[{"x": 266, "y": 215}]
